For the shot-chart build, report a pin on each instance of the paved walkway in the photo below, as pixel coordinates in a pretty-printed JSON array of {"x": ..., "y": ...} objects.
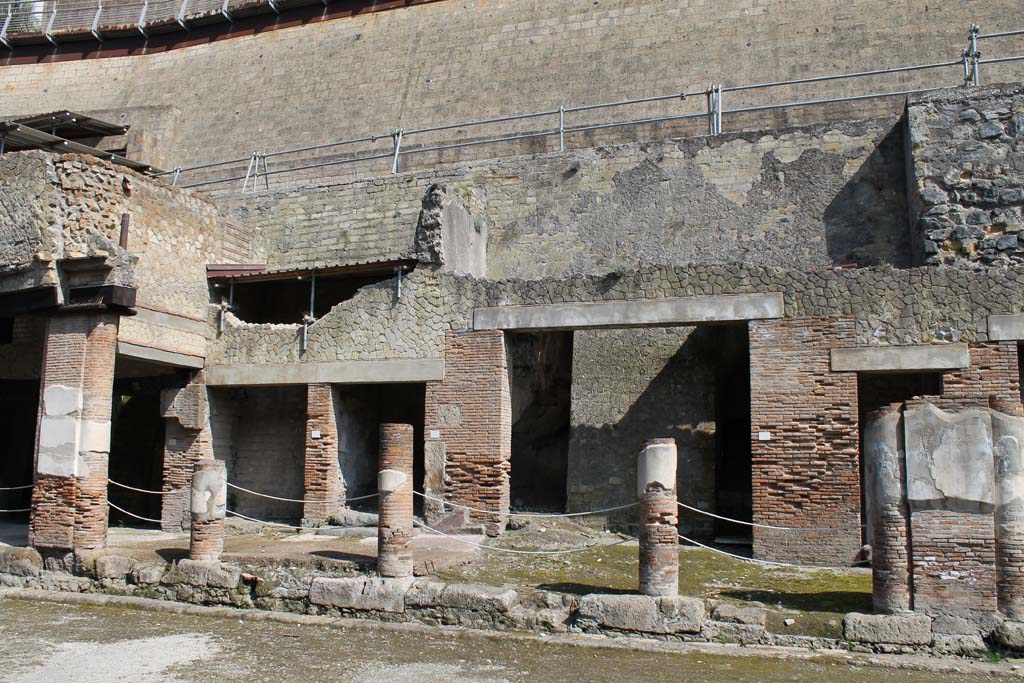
[{"x": 46, "y": 642}]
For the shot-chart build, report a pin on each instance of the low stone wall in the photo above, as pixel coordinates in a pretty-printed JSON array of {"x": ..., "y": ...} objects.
[{"x": 315, "y": 591}]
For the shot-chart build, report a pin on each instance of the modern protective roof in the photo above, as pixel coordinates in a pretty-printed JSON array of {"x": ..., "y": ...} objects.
[
  {"x": 16, "y": 136},
  {"x": 71, "y": 125}
]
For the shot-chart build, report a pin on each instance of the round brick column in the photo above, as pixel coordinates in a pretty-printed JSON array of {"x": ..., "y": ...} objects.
[
  {"x": 1008, "y": 448},
  {"x": 659, "y": 518},
  {"x": 209, "y": 507},
  {"x": 887, "y": 511},
  {"x": 394, "y": 482}
]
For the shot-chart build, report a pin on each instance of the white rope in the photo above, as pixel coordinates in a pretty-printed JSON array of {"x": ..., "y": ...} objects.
[
  {"x": 19, "y": 510},
  {"x": 297, "y": 500},
  {"x": 769, "y": 526},
  {"x": 280, "y": 524},
  {"x": 155, "y": 493},
  {"x": 132, "y": 514},
  {"x": 520, "y": 552},
  {"x": 550, "y": 515},
  {"x": 15, "y": 488},
  {"x": 756, "y": 561}
]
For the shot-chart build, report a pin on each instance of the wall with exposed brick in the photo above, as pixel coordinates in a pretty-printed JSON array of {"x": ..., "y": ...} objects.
[
  {"x": 805, "y": 464},
  {"x": 69, "y": 500},
  {"x": 324, "y": 490},
  {"x": 259, "y": 433},
  {"x": 471, "y": 411}
]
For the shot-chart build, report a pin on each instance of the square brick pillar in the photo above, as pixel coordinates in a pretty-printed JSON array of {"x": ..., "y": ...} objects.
[
  {"x": 468, "y": 424},
  {"x": 69, "y": 500},
  {"x": 324, "y": 488},
  {"x": 187, "y": 442},
  {"x": 805, "y": 441}
]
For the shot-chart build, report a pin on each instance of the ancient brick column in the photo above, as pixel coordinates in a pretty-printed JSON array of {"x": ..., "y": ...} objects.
[
  {"x": 394, "y": 527},
  {"x": 659, "y": 518},
  {"x": 209, "y": 507},
  {"x": 887, "y": 511},
  {"x": 69, "y": 500},
  {"x": 1008, "y": 448},
  {"x": 187, "y": 441},
  {"x": 324, "y": 491}
]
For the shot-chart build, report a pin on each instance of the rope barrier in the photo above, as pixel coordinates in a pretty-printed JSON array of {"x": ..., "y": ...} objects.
[
  {"x": 15, "y": 488},
  {"x": 550, "y": 515},
  {"x": 769, "y": 526},
  {"x": 520, "y": 552},
  {"x": 297, "y": 500},
  {"x": 19, "y": 510},
  {"x": 281, "y": 524},
  {"x": 765, "y": 562},
  {"x": 155, "y": 493},
  {"x": 132, "y": 514}
]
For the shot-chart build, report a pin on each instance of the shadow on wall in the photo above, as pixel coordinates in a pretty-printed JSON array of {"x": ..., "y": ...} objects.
[
  {"x": 666, "y": 379},
  {"x": 867, "y": 222}
]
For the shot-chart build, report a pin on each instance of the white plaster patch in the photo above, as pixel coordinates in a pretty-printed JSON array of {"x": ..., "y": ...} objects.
[
  {"x": 657, "y": 465},
  {"x": 58, "y": 446},
  {"x": 388, "y": 481},
  {"x": 60, "y": 399},
  {"x": 94, "y": 437}
]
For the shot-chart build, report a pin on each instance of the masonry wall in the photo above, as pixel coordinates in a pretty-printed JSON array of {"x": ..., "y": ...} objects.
[
  {"x": 805, "y": 441},
  {"x": 265, "y": 450},
  {"x": 468, "y": 422},
  {"x": 667, "y": 391},
  {"x": 967, "y": 183},
  {"x": 468, "y": 59},
  {"x": 799, "y": 197}
]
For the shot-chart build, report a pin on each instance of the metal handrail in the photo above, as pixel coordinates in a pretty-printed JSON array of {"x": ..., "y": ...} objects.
[
  {"x": 182, "y": 11},
  {"x": 969, "y": 61}
]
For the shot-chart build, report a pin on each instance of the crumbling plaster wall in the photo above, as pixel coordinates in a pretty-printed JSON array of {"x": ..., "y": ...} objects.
[
  {"x": 801, "y": 197},
  {"x": 889, "y": 306},
  {"x": 967, "y": 186},
  {"x": 58, "y": 207}
]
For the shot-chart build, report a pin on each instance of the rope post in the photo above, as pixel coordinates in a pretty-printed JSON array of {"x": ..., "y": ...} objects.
[
  {"x": 1007, "y": 437},
  {"x": 209, "y": 507},
  {"x": 659, "y": 517},
  {"x": 887, "y": 511},
  {"x": 395, "y": 520}
]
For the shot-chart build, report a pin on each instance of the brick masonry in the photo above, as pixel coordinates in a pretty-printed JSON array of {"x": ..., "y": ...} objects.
[
  {"x": 395, "y": 526},
  {"x": 183, "y": 450},
  {"x": 806, "y": 472},
  {"x": 324, "y": 488},
  {"x": 471, "y": 411},
  {"x": 69, "y": 503}
]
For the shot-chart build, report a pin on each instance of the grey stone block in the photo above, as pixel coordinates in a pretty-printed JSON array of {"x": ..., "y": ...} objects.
[
  {"x": 113, "y": 566},
  {"x": 1010, "y": 635},
  {"x": 21, "y": 562},
  {"x": 478, "y": 597},
  {"x": 203, "y": 573},
  {"x": 682, "y": 614},
  {"x": 148, "y": 574},
  {"x": 425, "y": 594},
  {"x": 642, "y": 613},
  {"x": 960, "y": 645},
  {"x": 735, "y": 614},
  {"x": 888, "y": 629},
  {"x": 370, "y": 594}
]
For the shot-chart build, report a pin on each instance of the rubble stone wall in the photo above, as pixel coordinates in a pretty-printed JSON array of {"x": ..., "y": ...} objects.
[{"x": 967, "y": 183}]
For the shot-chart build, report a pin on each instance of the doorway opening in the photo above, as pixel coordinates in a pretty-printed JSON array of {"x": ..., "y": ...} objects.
[{"x": 540, "y": 382}]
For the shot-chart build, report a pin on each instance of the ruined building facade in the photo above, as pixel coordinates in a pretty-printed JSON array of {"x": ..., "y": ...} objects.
[{"x": 538, "y": 316}]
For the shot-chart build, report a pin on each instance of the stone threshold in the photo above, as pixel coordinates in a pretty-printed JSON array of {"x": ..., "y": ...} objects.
[{"x": 292, "y": 593}]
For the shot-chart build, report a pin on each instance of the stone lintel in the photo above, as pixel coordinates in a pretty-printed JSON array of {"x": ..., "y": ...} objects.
[
  {"x": 171, "y": 320},
  {"x": 1006, "y": 327},
  {"x": 901, "y": 358},
  {"x": 643, "y": 313},
  {"x": 160, "y": 356},
  {"x": 339, "y": 372}
]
